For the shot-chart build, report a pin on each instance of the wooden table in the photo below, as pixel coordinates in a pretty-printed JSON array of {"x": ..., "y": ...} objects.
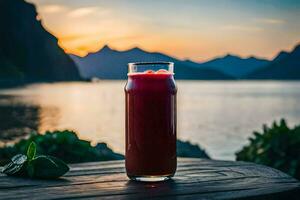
[{"x": 195, "y": 179}]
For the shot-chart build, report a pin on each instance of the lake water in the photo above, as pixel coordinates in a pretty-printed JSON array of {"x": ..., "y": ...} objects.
[{"x": 218, "y": 115}]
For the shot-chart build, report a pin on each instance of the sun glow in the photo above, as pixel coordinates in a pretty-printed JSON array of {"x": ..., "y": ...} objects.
[{"x": 197, "y": 31}]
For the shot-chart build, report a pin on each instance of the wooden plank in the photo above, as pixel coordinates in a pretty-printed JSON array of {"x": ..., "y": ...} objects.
[
  {"x": 153, "y": 190},
  {"x": 195, "y": 179}
]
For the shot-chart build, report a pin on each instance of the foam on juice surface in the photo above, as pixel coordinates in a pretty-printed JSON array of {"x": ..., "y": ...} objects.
[{"x": 151, "y": 72}]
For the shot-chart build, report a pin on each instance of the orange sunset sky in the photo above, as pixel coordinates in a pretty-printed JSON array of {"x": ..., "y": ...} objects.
[{"x": 198, "y": 30}]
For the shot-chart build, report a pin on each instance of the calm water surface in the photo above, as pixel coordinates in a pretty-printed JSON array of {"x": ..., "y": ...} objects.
[{"x": 218, "y": 115}]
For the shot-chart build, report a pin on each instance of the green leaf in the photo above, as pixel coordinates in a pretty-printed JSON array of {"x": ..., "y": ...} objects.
[
  {"x": 31, "y": 151},
  {"x": 48, "y": 167},
  {"x": 16, "y": 166}
]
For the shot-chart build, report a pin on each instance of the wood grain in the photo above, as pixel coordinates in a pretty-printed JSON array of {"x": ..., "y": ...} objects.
[{"x": 194, "y": 179}]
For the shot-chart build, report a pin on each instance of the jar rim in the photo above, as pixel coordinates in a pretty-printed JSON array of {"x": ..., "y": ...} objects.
[{"x": 150, "y": 63}]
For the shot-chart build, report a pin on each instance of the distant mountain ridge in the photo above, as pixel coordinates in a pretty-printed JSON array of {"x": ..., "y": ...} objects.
[
  {"x": 28, "y": 52},
  {"x": 280, "y": 56},
  {"x": 112, "y": 64},
  {"x": 235, "y": 65},
  {"x": 106, "y": 64},
  {"x": 285, "y": 66}
]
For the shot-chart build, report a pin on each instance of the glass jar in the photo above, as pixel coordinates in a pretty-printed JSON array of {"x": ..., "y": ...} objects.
[{"x": 150, "y": 121}]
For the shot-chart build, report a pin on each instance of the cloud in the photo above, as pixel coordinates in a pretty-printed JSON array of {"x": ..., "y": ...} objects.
[
  {"x": 52, "y": 8},
  {"x": 84, "y": 11},
  {"x": 270, "y": 21},
  {"x": 72, "y": 37},
  {"x": 127, "y": 37},
  {"x": 242, "y": 28}
]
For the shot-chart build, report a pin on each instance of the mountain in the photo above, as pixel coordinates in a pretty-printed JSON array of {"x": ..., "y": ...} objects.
[
  {"x": 235, "y": 65},
  {"x": 286, "y": 66},
  {"x": 29, "y": 53},
  {"x": 112, "y": 64},
  {"x": 280, "y": 56}
]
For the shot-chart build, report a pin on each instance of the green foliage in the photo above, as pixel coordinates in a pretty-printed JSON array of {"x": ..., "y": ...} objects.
[
  {"x": 31, "y": 151},
  {"x": 61, "y": 144},
  {"x": 46, "y": 167},
  {"x": 277, "y": 147},
  {"x": 29, "y": 165}
]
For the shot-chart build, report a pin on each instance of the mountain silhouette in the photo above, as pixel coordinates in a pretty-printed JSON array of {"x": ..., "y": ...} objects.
[
  {"x": 280, "y": 56},
  {"x": 285, "y": 66},
  {"x": 112, "y": 64},
  {"x": 235, "y": 65},
  {"x": 28, "y": 52}
]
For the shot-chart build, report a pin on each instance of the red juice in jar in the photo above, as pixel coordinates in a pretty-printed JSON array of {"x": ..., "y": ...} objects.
[{"x": 150, "y": 121}]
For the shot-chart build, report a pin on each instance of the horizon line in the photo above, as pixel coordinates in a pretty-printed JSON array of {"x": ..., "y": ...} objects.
[{"x": 181, "y": 59}]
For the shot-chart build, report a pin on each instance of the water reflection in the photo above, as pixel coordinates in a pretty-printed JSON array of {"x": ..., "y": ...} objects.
[
  {"x": 48, "y": 118},
  {"x": 213, "y": 114},
  {"x": 16, "y": 119}
]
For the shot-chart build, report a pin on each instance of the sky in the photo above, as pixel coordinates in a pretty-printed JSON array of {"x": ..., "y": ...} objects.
[{"x": 187, "y": 29}]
